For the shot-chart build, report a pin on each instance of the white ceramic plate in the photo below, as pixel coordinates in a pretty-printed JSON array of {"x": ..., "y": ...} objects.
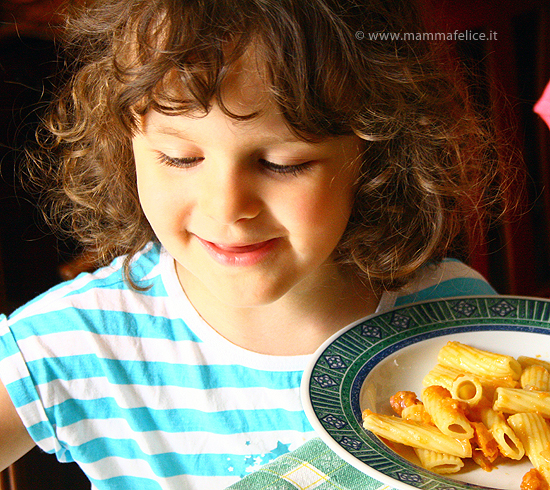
[{"x": 362, "y": 366}]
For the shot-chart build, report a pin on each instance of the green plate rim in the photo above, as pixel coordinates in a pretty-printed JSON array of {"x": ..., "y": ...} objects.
[{"x": 331, "y": 384}]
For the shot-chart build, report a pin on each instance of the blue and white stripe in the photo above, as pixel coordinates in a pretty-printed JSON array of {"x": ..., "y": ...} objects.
[{"x": 143, "y": 394}]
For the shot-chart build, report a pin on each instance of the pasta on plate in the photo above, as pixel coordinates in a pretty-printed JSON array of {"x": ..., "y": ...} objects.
[{"x": 474, "y": 404}]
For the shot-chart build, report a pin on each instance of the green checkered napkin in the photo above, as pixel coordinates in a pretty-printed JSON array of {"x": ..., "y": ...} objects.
[{"x": 311, "y": 466}]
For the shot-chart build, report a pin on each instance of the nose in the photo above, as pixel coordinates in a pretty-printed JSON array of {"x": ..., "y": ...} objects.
[{"x": 229, "y": 193}]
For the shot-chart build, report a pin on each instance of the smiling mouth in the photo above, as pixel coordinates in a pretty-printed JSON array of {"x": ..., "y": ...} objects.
[{"x": 239, "y": 255}]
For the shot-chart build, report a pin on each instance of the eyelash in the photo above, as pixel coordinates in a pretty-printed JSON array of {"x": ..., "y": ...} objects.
[
  {"x": 293, "y": 170},
  {"x": 177, "y": 162}
]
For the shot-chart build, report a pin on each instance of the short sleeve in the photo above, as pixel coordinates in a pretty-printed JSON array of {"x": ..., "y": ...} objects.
[
  {"x": 24, "y": 395},
  {"x": 449, "y": 279}
]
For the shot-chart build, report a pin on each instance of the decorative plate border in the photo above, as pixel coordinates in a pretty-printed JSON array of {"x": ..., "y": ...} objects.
[{"x": 333, "y": 383}]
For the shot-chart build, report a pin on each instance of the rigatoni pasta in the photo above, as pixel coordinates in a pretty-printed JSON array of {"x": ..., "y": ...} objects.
[
  {"x": 513, "y": 400},
  {"x": 446, "y": 377},
  {"x": 534, "y": 433},
  {"x": 476, "y": 404},
  {"x": 535, "y": 377},
  {"x": 415, "y": 434},
  {"x": 467, "y": 388},
  {"x": 525, "y": 361},
  {"x": 441, "y": 463},
  {"x": 446, "y": 413},
  {"x": 508, "y": 442},
  {"x": 475, "y": 361}
]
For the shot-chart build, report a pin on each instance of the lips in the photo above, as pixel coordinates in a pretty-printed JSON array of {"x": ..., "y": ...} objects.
[
  {"x": 239, "y": 249},
  {"x": 237, "y": 254}
]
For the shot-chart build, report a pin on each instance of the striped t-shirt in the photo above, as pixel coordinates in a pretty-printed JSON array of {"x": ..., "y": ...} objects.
[{"x": 137, "y": 389}]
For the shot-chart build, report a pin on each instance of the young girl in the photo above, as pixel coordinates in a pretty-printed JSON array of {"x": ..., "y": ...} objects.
[{"x": 266, "y": 174}]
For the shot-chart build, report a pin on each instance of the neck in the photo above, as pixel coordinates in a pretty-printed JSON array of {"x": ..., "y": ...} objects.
[{"x": 296, "y": 324}]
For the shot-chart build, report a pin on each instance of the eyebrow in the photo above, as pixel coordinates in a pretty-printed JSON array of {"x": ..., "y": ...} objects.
[
  {"x": 181, "y": 134},
  {"x": 169, "y": 131}
]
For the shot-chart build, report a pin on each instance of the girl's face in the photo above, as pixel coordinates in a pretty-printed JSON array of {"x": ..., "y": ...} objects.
[{"x": 250, "y": 212}]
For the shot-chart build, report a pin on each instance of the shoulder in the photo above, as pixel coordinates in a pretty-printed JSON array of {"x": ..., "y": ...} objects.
[
  {"x": 102, "y": 290},
  {"x": 446, "y": 279}
]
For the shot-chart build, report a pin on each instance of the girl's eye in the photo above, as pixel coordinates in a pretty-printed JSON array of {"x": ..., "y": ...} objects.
[
  {"x": 276, "y": 168},
  {"x": 178, "y": 162},
  {"x": 294, "y": 170}
]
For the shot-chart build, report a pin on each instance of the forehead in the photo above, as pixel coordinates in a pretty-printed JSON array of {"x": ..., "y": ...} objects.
[
  {"x": 245, "y": 89},
  {"x": 267, "y": 129},
  {"x": 245, "y": 101},
  {"x": 244, "y": 76}
]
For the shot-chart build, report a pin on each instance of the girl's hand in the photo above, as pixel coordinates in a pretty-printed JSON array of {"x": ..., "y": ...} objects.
[{"x": 15, "y": 441}]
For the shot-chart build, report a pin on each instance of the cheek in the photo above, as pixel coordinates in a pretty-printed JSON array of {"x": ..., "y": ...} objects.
[
  {"x": 323, "y": 210},
  {"x": 158, "y": 199},
  {"x": 148, "y": 195},
  {"x": 153, "y": 186}
]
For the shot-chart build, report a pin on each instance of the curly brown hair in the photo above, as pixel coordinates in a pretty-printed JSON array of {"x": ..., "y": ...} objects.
[{"x": 431, "y": 168}]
